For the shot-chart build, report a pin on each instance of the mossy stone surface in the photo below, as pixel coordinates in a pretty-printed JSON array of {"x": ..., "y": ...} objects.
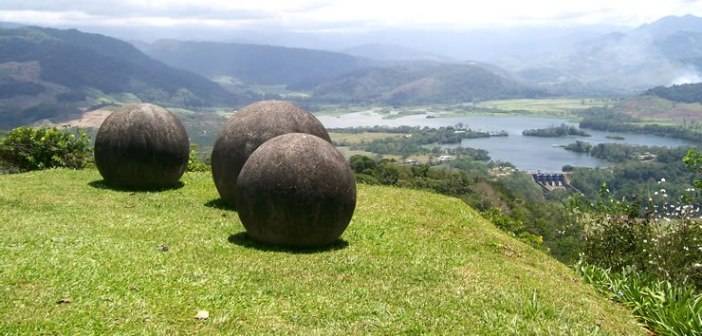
[
  {"x": 296, "y": 190},
  {"x": 142, "y": 146},
  {"x": 249, "y": 128}
]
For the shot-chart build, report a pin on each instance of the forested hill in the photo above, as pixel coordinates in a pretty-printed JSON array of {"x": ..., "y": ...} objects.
[
  {"x": 255, "y": 64},
  {"x": 686, "y": 93},
  {"x": 423, "y": 83},
  {"x": 45, "y": 72}
]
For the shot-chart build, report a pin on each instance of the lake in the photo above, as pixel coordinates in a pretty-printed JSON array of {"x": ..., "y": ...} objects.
[{"x": 526, "y": 153}]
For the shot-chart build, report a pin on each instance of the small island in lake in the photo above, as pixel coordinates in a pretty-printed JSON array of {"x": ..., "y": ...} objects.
[
  {"x": 555, "y": 131},
  {"x": 615, "y": 137}
]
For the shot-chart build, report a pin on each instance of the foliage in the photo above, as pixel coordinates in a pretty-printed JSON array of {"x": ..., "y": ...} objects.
[
  {"x": 665, "y": 308},
  {"x": 686, "y": 93},
  {"x": 579, "y": 147},
  {"x": 126, "y": 263},
  {"x": 513, "y": 226},
  {"x": 604, "y": 119},
  {"x": 29, "y": 148},
  {"x": 653, "y": 236},
  {"x": 693, "y": 160},
  {"x": 195, "y": 162},
  {"x": 555, "y": 131},
  {"x": 416, "y": 139},
  {"x": 630, "y": 176}
]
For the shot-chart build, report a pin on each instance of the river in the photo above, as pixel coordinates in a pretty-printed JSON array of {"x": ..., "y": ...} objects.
[{"x": 526, "y": 153}]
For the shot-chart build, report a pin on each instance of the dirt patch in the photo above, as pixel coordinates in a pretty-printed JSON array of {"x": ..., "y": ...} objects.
[{"x": 91, "y": 119}]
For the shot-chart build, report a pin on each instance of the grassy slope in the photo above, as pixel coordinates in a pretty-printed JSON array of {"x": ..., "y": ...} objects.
[{"x": 415, "y": 262}]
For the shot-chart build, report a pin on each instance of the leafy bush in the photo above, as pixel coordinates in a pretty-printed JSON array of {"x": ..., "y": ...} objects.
[
  {"x": 653, "y": 236},
  {"x": 666, "y": 309},
  {"x": 28, "y": 148},
  {"x": 693, "y": 160},
  {"x": 195, "y": 163}
]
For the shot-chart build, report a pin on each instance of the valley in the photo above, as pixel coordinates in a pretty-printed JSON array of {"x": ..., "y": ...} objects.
[{"x": 483, "y": 166}]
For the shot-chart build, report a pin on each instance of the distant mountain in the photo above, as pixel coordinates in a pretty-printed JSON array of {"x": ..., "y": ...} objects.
[
  {"x": 10, "y": 25},
  {"x": 422, "y": 83},
  {"x": 254, "y": 64},
  {"x": 391, "y": 52},
  {"x": 49, "y": 73},
  {"x": 661, "y": 53},
  {"x": 682, "y": 45},
  {"x": 686, "y": 93},
  {"x": 670, "y": 25}
]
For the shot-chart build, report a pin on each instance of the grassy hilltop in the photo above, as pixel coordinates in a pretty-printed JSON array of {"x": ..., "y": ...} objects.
[{"x": 81, "y": 259}]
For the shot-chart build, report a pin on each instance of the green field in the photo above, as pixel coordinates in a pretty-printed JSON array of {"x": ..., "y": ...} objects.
[
  {"x": 78, "y": 258},
  {"x": 564, "y": 107},
  {"x": 548, "y": 107},
  {"x": 362, "y": 137}
]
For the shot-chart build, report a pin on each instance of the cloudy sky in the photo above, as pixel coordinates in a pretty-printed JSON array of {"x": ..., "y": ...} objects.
[{"x": 340, "y": 15}]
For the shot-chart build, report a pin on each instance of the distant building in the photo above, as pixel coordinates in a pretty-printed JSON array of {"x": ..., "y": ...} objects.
[
  {"x": 647, "y": 156},
  {"x": 552, "y": 181},
  {"x": 411, "y": 162},
  {"x": 445, "y": 158}
]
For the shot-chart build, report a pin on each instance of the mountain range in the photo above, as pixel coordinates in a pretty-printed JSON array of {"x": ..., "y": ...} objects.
[
  {"x": 56, "y": 74},
  {"x": 50, "y": 73},
  {"x": 254, "y": 64}
]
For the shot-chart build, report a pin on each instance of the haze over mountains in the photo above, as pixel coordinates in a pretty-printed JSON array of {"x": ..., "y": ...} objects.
[
  {"x": 578, "y": 60},
  {"x": 56, "y": 74},
  {"x": 49, "y": 73}
]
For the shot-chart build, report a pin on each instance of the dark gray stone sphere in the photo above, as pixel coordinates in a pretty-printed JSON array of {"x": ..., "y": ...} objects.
[
  {"x": 249, "y": 128},
  {"x": 142, "y": 146},
  {"x": 296, "y": 190}
]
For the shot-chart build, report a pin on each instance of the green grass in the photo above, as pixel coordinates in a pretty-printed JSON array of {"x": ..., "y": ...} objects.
[
  {"x": 414, "y": 263},
  {"x": 666, "y": 308},
  {"x": 361, "y": 138},
  {"x": 557, "y": 107},
  {"x": 544, "y": 107}
]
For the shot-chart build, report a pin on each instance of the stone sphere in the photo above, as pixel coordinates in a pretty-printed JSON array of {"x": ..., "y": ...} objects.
[
  {"x": 142, "y": 146},
  {"x": 296, "y": 190},
  {"x": 249, "y": 128}
]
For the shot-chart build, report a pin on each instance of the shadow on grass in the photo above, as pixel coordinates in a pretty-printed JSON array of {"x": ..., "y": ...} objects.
[
  {"x": 242, "y": 239},
  {"x": 219, "y": 204},
  {"x": 101, "y": 184}
]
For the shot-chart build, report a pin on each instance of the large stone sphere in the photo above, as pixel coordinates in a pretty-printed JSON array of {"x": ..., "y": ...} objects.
[
  {"x": 249, "y": 128},
  {"x": 142, "y": 146},
  {"x": 296, "y": 190}
]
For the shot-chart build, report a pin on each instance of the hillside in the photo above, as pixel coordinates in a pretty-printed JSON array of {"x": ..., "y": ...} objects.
[
  {"x": 422, "y": 83},
  {"x": 686, "y": 93},
  {"x": 626, "y": 62},
  {"x": 93, "y": 260},
  {"x": 254, "y": 64},
  {"x": 652, "y": 107},
  {"x": 53, "y": 73},
  {"x": 393, "y": 52}
]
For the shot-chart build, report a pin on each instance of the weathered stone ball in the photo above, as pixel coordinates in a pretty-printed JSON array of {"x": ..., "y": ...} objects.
[
  {"x": 249, "y": 128},
  {"x": 296, "y": 190},
  {"x": 142, "y": 146}
]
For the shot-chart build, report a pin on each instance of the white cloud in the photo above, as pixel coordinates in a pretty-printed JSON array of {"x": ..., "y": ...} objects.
[{"x": 347, "y": 14}]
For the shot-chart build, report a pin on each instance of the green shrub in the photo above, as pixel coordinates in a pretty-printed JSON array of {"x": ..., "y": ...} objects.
[
  {"x": 513, "y": 226},
  {"x": 666, "y": 309},
  {"x": 195, "y": 163},
  {"x": 655, "y": 236},
  {"x": 28, "y": 148},
  {"x": 693, "y": 160}
]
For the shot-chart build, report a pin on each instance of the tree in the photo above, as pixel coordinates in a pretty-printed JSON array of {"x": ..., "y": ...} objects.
[{"x": 693, "y": 160}]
